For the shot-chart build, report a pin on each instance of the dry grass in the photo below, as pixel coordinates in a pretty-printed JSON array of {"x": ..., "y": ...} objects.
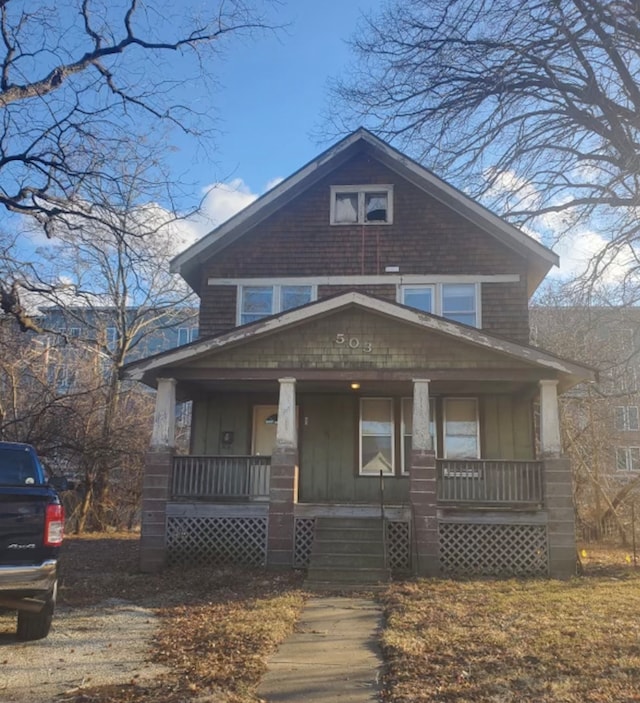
[
  {"x": 484, "y": 641},
  {"x": 218, "y": 625},
  {"x": 511, "y": 641}
]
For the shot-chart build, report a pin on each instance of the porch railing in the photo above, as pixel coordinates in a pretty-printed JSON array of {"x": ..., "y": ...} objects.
[
  {"x": 489, "y": 482},
  {"x": 221, "y": 477}
]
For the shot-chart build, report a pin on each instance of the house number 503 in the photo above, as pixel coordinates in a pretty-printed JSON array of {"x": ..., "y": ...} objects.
[{"x": 353, "y": 342}]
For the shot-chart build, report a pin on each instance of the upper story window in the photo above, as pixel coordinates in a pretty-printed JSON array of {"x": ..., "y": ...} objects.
[
  {"x": 370, "y": 204},
  {"x": 627, "y": 418},
  {"x": 455, "y": 301},
  {"x": 186, "y": 335},
  {"x": 256, "y": 302}
]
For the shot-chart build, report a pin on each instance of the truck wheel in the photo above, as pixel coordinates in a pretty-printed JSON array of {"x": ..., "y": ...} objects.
[{"x": 36, "y": 626}]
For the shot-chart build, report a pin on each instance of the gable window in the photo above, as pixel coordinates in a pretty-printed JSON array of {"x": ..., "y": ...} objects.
[
  {"x": 376, "y": 436},
  {"x": 627, "y": 458},
  {"x": 256, "y": 302},
  {"x": 461, "y": 428},
  {"x": 455, "y": 301},
  {"x": 407, "y": 431},
  {"x": 370, "y": 204}
]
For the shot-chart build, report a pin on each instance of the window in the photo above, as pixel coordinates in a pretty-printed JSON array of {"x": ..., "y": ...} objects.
[
  {"x": 186, "y": 335},
  {"x": 419, "y": 297},
  {"x": 371, "y": 204},
  {"x": 627, "y": 418},
  {"x": 455, "y": 301},
  {"x": 461, "y": 429},
  {"x": 376, "y": 436},
  {"x": 111, "y": 338},
  {"x": 459, "y": 302},
  {"x": 628, "y": 458},
  {"x": 407, "y": 431},
  {"x": 256, "y": 302}
]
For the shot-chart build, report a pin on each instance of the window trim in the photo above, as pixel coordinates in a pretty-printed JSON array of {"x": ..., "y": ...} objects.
[
  {"x": 444, "y": 427},
  {"x": 276, "y": 297},
  {"x": 628, "y": 461},
  {"x": 361, "y": 191},
  {"x": 392, "y": 416},
  {"x": 438, "y": 297},
  {"x": 626, "y": 417}
]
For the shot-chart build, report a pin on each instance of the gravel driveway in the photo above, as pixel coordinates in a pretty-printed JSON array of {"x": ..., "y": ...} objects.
[{"x": 104, "y": 644}]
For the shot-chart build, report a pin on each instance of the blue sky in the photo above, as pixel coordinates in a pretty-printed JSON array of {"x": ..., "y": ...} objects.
[{"x": 273, "y": 91}]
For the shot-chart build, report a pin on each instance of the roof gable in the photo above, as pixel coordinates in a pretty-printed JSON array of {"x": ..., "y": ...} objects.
[
  {"x": 539, "y": 258},
  {"x": 196, "y": 354}
]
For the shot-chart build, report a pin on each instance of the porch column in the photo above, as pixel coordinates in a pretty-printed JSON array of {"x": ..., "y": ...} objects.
[
  {"x": 283, "y": 486},
  {"x": 558, "y": 487},
  {"x": 550, "y": 444},
  {"x": 156, "y": 485},
  {"x": 422, "y": 484}
]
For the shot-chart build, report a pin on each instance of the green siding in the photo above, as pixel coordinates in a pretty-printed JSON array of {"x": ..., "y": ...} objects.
[
  {"x": 506, "y": 427},
  {"x": 222, "y": 413},
  {"x": 329, "y": 456}
]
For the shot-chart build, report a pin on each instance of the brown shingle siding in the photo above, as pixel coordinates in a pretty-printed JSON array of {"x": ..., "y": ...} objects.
[{"x": 425, "y": 238}]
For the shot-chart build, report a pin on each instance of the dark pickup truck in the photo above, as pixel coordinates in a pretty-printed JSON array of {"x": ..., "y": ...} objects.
[{"x": 31, "y": 530}]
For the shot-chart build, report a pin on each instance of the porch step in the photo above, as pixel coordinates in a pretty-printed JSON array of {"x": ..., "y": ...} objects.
[{"x": 347, "y": 552}]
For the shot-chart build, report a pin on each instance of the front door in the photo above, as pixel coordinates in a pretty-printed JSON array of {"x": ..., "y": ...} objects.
[{"x": 265, "y": 425}]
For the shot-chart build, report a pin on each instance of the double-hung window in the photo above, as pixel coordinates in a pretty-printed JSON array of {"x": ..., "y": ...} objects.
[
  {"x": 459, "y": 302},
  {"x": 362, "y": 204},
  {"x": 627, "y": 418},
  {"x": 256, "y": 302},
  {"x": 628, "y": 458},
  {"x": 461, "y": 428},
  {"x": 186, "y": 335},
  {"x": 455, "y": 301},
  {"x": 376, "y": 436}
]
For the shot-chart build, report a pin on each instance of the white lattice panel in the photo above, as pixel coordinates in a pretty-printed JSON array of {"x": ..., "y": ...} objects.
[
  {"x": 305, "y": 528},
  {"x": 399, "y": 546},
  {"x": 493, "y": 550},
  {"x": 217, "y": 540}
]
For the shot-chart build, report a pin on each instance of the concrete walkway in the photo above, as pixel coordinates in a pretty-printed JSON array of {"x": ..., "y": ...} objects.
[{"x": 332, "y": 656}]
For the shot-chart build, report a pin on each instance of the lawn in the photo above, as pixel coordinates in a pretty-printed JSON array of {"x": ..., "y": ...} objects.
[
  {"x": 509, "y": 641},
  {"x": 500, "y": 641}
]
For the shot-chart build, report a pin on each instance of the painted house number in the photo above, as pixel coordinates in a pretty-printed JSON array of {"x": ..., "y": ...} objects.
[{"x": 353, "y": 342}]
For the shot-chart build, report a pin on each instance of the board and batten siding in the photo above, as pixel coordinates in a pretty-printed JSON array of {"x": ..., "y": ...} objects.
[{"x": 328, "y": 440}]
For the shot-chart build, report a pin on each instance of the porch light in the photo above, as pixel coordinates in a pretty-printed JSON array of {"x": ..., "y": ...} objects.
[
  {"x": 272, "y": 419},
  {"x": 355, "y": 386}
]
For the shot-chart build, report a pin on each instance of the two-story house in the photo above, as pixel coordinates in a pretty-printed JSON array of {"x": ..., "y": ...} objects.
[{"x": 363, "y": 362}]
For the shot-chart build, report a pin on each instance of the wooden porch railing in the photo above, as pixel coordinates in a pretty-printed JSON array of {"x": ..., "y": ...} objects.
[
  {"x": 221, "y": 477},
  {"x": 489, "y": 482}
]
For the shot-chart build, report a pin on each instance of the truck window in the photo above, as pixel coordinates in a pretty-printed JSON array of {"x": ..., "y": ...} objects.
[{"x": 17, "y": 468}]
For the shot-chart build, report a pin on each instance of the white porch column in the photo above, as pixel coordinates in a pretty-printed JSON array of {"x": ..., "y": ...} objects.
[
  {"x": 287, "y": 431},
  {"x": 421, "y": 414},
  {"x": 164, "y": 419},
  {"x": 550, "y": 442}
]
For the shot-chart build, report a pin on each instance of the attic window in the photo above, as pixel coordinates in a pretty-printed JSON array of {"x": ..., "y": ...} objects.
[{"x": 371, "y": 204}]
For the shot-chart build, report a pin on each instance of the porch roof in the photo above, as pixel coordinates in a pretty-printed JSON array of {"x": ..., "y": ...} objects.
[{"x": 189, "y": 362}]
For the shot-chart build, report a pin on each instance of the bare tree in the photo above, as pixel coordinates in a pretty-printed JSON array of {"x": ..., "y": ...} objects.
[
  {"x": 532, "y": 105},
  {"x": 89, "y": 86}
]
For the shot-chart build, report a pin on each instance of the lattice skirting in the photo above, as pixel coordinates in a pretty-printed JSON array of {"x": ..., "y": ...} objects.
[
  {"x": 493, "y": 550},
  {"x": 304, "y": 531},
  {"x": 399, "y": 546},
  {"x": 217, "y": 540}
]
